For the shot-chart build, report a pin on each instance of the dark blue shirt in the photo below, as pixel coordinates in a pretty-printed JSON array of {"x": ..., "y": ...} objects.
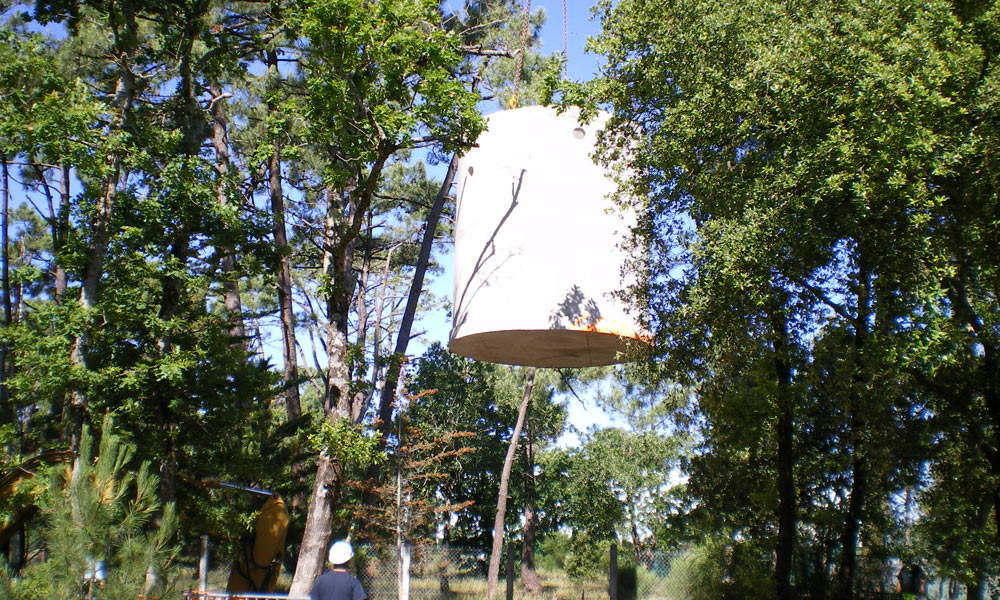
[{"x": 337, "y": 585}]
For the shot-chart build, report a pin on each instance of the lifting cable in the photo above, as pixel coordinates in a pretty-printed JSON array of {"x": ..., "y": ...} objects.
[{"x": 565, "y": 44}]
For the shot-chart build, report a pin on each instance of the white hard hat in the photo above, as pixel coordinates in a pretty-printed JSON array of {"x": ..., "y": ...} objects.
[{"x": 340, "y": 552}]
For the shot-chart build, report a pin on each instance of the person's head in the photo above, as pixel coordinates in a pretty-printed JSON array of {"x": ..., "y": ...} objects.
[{"x": 340, "y": 553}]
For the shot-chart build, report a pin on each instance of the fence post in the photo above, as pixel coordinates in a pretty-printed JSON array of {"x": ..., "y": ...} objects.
[
  {"x": 443, "y": 585},
  {"x": 510, "y": 571},
  {"x": 203, "y": 565},
  {"x": 613, "y": 574}
]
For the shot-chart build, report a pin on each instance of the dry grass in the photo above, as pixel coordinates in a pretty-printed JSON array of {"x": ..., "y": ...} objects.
[{"x": 555, "y": 586}]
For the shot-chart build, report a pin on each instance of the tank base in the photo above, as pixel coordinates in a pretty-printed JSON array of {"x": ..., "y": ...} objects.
[{"x": 544, "y": 347}]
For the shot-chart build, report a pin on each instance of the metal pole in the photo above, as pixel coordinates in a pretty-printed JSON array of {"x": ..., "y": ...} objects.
[
  {"x": 402, "y": 551},
  {"x": 203, "y": 565},
  {"x": 613, "y": 575},
  {"x": 404, "y": 571}
]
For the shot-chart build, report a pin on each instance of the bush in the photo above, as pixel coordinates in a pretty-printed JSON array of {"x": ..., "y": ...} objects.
[
  {"x": 552, "y": 552},
  {"x": 587, "y": 558}
]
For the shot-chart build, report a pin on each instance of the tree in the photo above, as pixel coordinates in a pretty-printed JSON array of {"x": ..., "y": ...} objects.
[
  {"x": 199, "y": 167},
  {"x": 472, "y": 397},
  {"x": 482, "y": 399},
  {"x": 951, "y": 518},
  {"x": 607, "y": 489},
  {"x": 126, "y": 310},
  {"x": 508, "y": 462},
  {"x": 807, "y": 170},
  {"x": 380, "y": 80}
]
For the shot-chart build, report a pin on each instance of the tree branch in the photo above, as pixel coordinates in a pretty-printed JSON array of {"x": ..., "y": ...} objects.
[{"x": 480, "y": 51}]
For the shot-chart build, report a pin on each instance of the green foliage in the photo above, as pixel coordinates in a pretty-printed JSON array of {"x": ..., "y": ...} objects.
[
  {"x": 553, "y": 549},
  {"x": 481, "y": 400},
  {"x": 607, "y": 487},
  {"x": 587, "y": 557},
  {"x": 43, "y": 110},
  {"x": 499, "y": 26},
  {"x": 957, "y": 530},
  {"x": 381, "y": 78},
  {"x": 350, "y": 445},
  {"x": 717, "y": 568},
  {"x": 417, "y": 463},
  {"x": 474, "y": 397}
]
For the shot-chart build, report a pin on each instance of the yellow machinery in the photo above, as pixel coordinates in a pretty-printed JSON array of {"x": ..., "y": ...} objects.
[{"x": 259, "y": 564}]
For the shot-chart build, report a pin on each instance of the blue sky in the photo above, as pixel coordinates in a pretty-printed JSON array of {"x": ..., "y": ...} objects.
[{"x": 579, "y": 26}]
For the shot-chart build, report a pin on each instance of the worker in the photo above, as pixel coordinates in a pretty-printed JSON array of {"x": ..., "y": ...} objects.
[{"x": 338, "y": 583}]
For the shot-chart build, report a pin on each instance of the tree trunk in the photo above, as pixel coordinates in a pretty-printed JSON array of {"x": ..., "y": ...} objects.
[
  {"x": 786, "y": 459},
  {"x": 194, "y": 130},
  {"x": 857, "y": 434},
  {"x": 169, "y": 306},
  {"x": 337, "y": 403},
  {"x": 362, "y": 314},
  {"x": 387, "y": 397},
  {"x": 6, "y": 416},
  {"x": 17, "y": 549},
  {"x": 991, "y": 394},
  {"x": 58, "y": 222},
  {"x": 329, "y": 474},
  {"x": 319, "y": 522},
  {"x": 979, "y": 567},
  {"x": 633, "y": 521},
  {"x": 230, "y": 287},
  {"x": 51, "y": 220},
  {"x": 102, "y": 218},
  {"x": 283, "y": 276},
  {"x": 988, "y": 374},
  {"x": 60, "y": 231},
  {"x": 378, "y": 374},
  {"x": 444, "y": 586},
  {"x": 498, "y": 529},
  {"x": 529, "y": 577},
  {"x": 173, "y": 297}
]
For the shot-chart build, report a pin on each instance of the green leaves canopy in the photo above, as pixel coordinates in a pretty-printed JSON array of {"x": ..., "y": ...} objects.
[
  {"x": 381, "y": 77},
  {"x": 832, "y": 164}
]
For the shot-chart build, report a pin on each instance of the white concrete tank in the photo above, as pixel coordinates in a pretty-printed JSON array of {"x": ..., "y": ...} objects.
[{"x": 537, "y": 246}]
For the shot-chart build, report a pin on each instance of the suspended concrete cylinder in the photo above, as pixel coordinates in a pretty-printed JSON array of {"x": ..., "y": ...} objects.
[{"x": 537, "y": 246}]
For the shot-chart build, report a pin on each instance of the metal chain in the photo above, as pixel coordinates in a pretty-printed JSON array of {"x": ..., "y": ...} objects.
[
  {"x": 565, "y": 43},
  {"x": 520, "y": 55}
]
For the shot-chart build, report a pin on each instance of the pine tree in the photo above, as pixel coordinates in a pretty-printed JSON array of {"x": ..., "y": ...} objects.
[{"x": 99, "y": 530}]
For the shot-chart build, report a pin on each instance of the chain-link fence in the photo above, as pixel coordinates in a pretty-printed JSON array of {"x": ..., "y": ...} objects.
[
  {"x": 443, "y": 572},
  {"x": 195, "y": 595},
  {"x": 661, "y": 576},
  {"x": 422, "y": 572},
  {"x": 449, "y": 573}
]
